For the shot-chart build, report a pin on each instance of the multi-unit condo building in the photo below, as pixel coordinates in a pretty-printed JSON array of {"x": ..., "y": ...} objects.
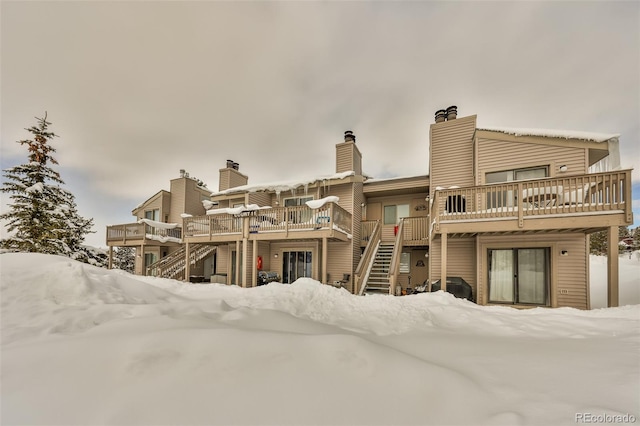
[{"x": 509, "y": 211}]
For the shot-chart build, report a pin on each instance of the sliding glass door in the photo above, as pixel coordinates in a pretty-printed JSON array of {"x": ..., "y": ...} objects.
[
  {"x": 295, "y": 264},
  {"x": 519, "y": 276}
]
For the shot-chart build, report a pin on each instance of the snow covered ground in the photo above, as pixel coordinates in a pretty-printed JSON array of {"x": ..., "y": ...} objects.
[{"x": 83, "y": 345}]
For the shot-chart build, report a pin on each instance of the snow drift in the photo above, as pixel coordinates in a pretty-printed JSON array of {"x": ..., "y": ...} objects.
[{"x": 84, "y": 345}]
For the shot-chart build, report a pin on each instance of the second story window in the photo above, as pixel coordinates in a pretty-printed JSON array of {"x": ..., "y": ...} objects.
[
  {"x": 506, "y": 198},
  {"x": 152, "y": 214},
  {"x": 393, "y": 213},
  {"x": 517, "y": 174}
]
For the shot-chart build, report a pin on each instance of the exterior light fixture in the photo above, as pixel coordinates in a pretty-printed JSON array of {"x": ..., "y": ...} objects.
[
  {"x": 564, "y": 168},
  {"x": 564, "y": 253}
]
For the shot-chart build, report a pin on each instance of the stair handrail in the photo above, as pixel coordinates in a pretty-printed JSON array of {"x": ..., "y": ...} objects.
[
  {"x": 367, "y": 273},
  {"x": 395, "y": 258},
  {"x": 170, "y": 266},
  {"x": 367, "y": 257}
]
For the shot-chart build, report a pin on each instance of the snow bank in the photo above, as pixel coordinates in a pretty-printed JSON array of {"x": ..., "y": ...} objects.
[{"x": 89, "y": 346}]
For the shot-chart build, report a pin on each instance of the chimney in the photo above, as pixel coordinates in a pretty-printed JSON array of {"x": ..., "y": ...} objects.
[
  {"x": 349, "y": 136},
  {"x": 230, "y": 177},
  {"x": 441, "y": 115},
  {"x": 452, "y": 112},
  {"x": 348, "y": 156}
]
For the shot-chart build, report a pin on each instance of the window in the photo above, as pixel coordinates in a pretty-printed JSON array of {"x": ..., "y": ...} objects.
[
  {"x": 506, "y": 198},
  {"x": 150, "y": 259},
  {"x": 393, "y": 213},
  {"x": 152, "y": 215},
  {"x": 519, "y": 276},
  {"x": 298, "y": 215},
  {"x": 405, "y": 263}
]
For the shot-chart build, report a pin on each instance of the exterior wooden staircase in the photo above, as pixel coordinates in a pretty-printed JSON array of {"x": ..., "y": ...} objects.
[
  {"x": 378, "y": 279},
  {"x": 173, "y": 265}
]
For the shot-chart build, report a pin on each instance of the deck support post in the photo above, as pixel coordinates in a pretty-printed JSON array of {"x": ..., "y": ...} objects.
[
  {"x": 110, "y": 257},
  {"x": 245, "y": 257},
  {"x": 143, "y": 267},
  {"x": 187, "y": 262},
  {"x": 325, "y": 278},
  {"x": 237, "y": 277},
  {"x": 254, "y": 267},
  {"x": 612, "y": 267},
  {"x": 443, "y": 262}
]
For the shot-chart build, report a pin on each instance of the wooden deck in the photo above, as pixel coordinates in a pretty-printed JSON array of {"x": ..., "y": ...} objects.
[
  {"x": 279, "y": 223},
  {"x": 577, "y": 203},
  {"x": 133, "y": 234}
]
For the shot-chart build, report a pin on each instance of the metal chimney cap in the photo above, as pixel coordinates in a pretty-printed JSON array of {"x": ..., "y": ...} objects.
[{"x": 349, "y": 136}]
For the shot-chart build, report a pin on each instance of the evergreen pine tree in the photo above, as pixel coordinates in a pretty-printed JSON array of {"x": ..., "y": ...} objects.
[
  {"x": 43, "y": 216},
  {"x": 125, "y": 259}
]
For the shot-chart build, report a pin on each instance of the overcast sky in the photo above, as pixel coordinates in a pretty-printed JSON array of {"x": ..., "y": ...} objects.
[{"x": 139, "y": 90}]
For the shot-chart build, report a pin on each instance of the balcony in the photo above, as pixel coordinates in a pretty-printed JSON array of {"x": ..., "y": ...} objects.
[
  {"x": 140, "y": 233},
  {"x": 584, "y": 203},
  {"x": 299, "y": 222}
]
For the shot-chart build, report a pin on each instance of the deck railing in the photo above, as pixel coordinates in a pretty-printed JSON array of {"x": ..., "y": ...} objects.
[
  {"x": 597, "y": 192},
  {"x": 140, "y": 231},
  {"x": 364, "y": 266},
  {"x": 277, "y": 219},
  {"x": 416, "y": 229}
]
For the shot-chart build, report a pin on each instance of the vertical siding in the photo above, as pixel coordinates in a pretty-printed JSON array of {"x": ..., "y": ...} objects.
[
  {"x": 451, "y": 152},
  {"x": 569, "y": 274},
  {"x": 496, "y": 155}
]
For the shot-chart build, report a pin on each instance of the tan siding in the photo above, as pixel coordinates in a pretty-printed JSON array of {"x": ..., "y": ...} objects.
[
  {"x": 567, "y": 272},
  {"x": 260, "y": 198},
  {"x": 419, "y": 274},
  {"x": 223, "y": 259},
  {"x": 451, "y": 152},
  {"x": 178, "y": 196},
  {"x": 339, "y": 260},
  {"x": 280, "y": 247},
  {"x": 497, "y": 155},
  {"x": 375, "y": 209},
  {"x": 348, "y": 158},
  {"x": 356, "y": 229},
  {"x": 373, "y": 187},
  {"x": 230, "y": 178},
  {"x": 461, "y": 260}
]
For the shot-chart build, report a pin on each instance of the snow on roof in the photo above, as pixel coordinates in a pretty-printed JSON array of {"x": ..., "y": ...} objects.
[
  {"x": 238, "y": 210},
  {"x": 552, "y": 133},
  {"x": 283, "y": 186},
  {"x": 372, "y": 180}
]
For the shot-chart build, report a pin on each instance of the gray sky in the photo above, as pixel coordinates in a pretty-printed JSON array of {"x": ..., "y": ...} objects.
[{"x": 139, "y": 90}]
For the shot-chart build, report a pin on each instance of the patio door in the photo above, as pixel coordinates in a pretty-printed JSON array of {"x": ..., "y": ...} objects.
[
  {"x": 519, "y": 276},
  {"x": 296, "y": 264}
]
